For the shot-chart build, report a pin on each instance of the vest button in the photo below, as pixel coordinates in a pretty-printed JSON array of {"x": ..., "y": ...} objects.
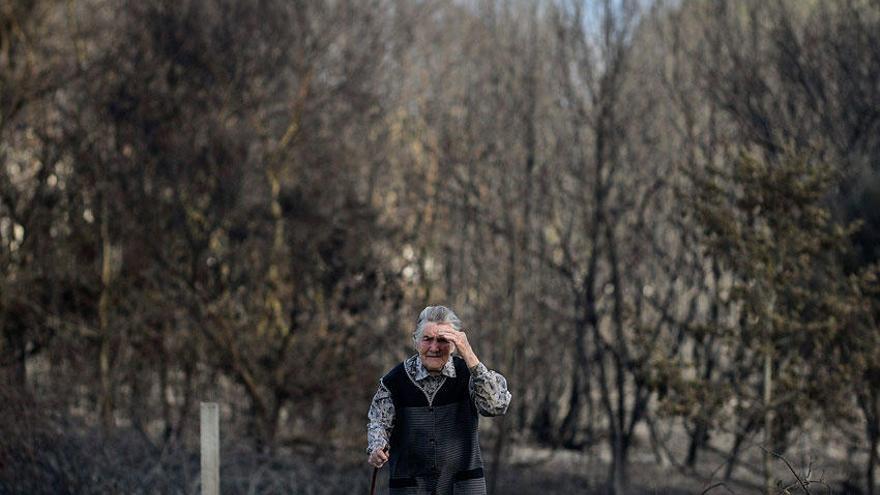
[{"x": 431, "y": 409}]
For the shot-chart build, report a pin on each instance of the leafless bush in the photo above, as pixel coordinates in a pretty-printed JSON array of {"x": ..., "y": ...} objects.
[{"x": 46, "y": 452}]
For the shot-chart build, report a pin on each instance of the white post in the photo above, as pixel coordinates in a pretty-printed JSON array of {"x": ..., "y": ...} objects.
[{"x": 210, "y": 446}]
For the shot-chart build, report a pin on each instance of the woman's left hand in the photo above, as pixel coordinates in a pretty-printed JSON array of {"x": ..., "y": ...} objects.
[{"x": 460, "y": 340}]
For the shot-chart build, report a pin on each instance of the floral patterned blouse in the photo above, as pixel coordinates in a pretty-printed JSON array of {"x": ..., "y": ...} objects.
[{"x": 488, "y": 390}]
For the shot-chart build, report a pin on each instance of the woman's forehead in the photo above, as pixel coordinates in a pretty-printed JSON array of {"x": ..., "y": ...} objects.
[{"x": 431, "y": 329}]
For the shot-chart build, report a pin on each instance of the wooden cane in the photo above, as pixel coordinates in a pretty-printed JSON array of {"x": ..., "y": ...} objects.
[
  {"x": 373, "y": 484},
  {"x": 376, "y": 472}
]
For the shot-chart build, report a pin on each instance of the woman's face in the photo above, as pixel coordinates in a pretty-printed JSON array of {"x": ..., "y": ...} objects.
[{"x": 433, "y": 350}]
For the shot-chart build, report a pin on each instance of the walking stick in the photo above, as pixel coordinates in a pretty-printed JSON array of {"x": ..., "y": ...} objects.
[
  {"x": 373, "y": 484},
  {"x": 375, "y": 472}
]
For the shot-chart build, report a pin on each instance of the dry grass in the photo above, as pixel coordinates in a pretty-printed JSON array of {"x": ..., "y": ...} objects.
[{"x": 46, "y": 453}]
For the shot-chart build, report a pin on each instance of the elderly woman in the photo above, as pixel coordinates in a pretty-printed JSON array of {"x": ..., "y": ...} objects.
[{"x": 423, "y": 418}]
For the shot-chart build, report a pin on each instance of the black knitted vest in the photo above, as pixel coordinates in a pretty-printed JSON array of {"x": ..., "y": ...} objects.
[{"x": 435, "y": 448}]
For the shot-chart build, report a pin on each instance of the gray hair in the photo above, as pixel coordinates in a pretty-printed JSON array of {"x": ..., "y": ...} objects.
[{"x": 434, "y": 314}]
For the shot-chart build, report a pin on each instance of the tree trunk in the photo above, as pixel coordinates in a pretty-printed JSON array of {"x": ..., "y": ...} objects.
[
  {"x": 699, "y": 437},
  {"x": 498, "y": 453},
  {"x": 138, "y": 400},
  {"x": 871, "y": 409},
  {"x": 872, "y": 463},
  {"x": 697, "y": 441},
  {"x": 164, "y": 389},
  {"x": 105, "y": 399},
  {"x": 768, "y": 420},
  {"x": 542, "y": 423},
  {"x": 733, "y": 455},
  {"x": 568, "y": 429},
  {"x": 16, "y": 374},
  {"x": 617, "y": 476},
  {"x": 189, "y": 379},
  {"x": 658, "y": 447}
]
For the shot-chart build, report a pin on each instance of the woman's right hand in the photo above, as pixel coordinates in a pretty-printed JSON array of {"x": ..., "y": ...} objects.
[{"x": 379, "y": 457}]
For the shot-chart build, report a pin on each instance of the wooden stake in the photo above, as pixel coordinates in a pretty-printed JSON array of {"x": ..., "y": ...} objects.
[{"x": 210, "y": 447}]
